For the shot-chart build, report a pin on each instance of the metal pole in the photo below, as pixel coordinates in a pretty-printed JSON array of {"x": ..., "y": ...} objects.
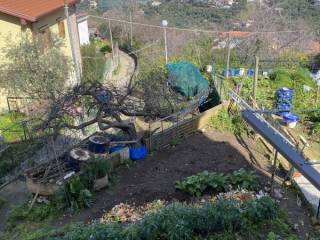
[
  {"x": 111, "y": 39},
  {"x": 255, "y": 80},
  {"x": 165, "y": 45},
  {"x": 131, "y": 30},
  {"x": 228, "y": 57},
  {"x": 74, "y": 56}
]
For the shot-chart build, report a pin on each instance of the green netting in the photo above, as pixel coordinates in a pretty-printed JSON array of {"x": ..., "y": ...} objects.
[{"x": 186, "y": 79}]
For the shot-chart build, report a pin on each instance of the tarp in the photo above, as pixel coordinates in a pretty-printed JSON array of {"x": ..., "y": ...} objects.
[{"x": 186, "y": 79}]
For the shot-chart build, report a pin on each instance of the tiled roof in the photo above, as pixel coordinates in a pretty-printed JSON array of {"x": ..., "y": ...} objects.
[{"x": 31, "y": 10}]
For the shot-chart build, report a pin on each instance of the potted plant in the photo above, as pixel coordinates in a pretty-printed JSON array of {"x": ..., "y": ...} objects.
[{"x": 99, "y": 169}]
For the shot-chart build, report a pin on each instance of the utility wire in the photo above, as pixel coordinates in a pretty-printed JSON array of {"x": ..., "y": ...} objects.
[{"x": 195, "y": 29}]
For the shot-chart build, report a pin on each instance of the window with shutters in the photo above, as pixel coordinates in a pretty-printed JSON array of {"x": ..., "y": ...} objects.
[{"x": 62, "y": 31}]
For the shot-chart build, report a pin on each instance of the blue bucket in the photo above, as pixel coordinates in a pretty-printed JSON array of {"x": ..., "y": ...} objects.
[{"x": 138, "y": 153}]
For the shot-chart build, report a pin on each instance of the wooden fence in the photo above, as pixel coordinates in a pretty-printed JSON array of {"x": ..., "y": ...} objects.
[{"x": 179, "y": 127}]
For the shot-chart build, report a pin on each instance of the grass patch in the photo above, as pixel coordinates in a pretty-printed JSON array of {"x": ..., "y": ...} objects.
[
  {"x": 225, "y": 122},
  {"x": 10, "y": 126}
]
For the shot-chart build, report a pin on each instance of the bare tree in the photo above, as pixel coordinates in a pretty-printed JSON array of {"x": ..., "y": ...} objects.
[{"x": 108, "y": 107}]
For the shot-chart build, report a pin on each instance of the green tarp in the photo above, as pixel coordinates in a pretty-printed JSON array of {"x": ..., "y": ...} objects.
[{"x": 186, "y": 79}]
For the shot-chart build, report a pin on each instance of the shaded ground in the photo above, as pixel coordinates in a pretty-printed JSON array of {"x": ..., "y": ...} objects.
[
  {"x": 14, "y": 195},
  {"x": 154, "y": 178}
]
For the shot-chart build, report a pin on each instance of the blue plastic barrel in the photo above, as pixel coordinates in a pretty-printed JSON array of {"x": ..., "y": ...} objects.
[
  {"x": 138, "y": 153},
  {"x": 224, "y": 72},
  {"x": 250, "y": 72},
  {"x": 284, "y": 99}
]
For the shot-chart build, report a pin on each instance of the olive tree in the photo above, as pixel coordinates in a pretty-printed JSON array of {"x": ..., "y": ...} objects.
[{"x": 35, "y": 67}]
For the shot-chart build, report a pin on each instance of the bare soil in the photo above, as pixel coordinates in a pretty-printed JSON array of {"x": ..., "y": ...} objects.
[{"x": 155, "y": 177}]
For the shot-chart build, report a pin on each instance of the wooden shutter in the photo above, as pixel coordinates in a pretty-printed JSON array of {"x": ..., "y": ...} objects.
[{"x": 62, "y": 31}]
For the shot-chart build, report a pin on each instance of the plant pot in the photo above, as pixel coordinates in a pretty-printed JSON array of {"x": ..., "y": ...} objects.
[
  {"x": 101, "y": 183},
  {"x": 99, "y": 144}
]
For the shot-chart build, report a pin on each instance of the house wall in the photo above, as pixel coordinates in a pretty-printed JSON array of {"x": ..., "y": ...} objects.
[
  {"x": 11, "y": 26},
  {"x": 51, "y": 22},
  {"x": 10, "y": 29}
]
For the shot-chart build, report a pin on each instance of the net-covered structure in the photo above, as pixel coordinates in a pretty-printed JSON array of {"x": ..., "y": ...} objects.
[{"x": 186, "y": 79}]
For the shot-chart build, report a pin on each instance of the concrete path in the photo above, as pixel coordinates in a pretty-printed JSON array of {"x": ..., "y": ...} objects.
[{"x": 121, "y": 76}]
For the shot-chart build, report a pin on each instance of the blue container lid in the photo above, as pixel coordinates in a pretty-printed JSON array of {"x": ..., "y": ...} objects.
[
  {"x": 290, "y": 117},
  {"x": 284, "y": 89}
]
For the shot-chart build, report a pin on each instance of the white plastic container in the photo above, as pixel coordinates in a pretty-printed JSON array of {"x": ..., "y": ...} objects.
[{"x": 291, "y": 124}]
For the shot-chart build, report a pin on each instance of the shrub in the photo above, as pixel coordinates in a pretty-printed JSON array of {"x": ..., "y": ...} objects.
[
  {"x": 94, "y": 63},
  {"x": 105, "y": 49},
  {"x": 182, "y": 221}
]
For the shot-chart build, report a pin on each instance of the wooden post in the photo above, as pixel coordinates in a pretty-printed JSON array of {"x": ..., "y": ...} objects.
[{"x": 255, "y": 80}]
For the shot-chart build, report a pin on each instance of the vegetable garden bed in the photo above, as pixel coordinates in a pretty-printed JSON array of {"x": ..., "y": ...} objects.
[{"x": 155, "y": 179}]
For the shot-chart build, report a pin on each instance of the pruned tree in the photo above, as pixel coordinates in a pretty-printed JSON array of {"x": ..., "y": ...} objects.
[{"x": 93, "y": 103}]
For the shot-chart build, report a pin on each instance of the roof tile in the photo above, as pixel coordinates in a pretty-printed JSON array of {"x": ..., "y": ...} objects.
[{"x": 31, "y": 10}]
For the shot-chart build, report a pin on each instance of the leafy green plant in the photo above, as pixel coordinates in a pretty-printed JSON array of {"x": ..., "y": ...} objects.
[
  {"x": 99, "y": 168},
  {"x": 74, "y": 195},
  {"x": 244, "y": 179},
  {"x": 224, "y": 121},
  {"x": 198, "y": 184},
  {"x": 38, "y": 213}
]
